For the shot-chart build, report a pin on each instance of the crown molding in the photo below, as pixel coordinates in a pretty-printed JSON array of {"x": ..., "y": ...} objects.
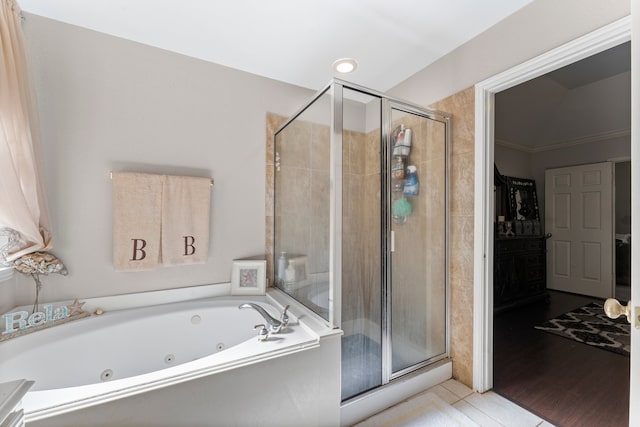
[
  {"x": 514, "y": 146},
  {"x": 596, "y": 137}
]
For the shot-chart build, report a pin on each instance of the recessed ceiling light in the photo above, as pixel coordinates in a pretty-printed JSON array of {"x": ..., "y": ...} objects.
[{"x": 345, "y": 65}]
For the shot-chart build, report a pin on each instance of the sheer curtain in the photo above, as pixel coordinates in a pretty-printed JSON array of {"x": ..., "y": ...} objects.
[{"x": 24, "y": 217}]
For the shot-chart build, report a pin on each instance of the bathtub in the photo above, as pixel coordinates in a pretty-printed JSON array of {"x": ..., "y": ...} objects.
[{"x": 125, "y": 359}]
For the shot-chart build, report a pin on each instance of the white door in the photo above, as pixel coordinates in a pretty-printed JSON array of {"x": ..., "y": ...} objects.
[{"x": 578, "y": 214}]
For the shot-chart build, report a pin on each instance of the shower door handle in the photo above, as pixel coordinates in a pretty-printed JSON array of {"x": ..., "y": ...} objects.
[{"x": 392, "y": 241}]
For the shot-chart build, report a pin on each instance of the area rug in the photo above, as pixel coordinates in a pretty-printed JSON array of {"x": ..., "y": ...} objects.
[{"x": 589, "y": 325}]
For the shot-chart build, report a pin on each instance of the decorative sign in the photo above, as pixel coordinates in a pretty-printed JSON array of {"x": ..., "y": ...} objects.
[{"x": 21, "y": 322}]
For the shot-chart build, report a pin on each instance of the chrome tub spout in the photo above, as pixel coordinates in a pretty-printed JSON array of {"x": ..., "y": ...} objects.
[{"x": 275, "y": 325}]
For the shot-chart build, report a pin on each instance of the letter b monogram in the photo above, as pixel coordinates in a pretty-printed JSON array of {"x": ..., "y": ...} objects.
[
  {"x": 138, "y": 251},
  {"x": 189, "y": 248}
]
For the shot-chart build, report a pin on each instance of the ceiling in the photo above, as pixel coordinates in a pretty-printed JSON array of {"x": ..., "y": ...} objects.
[{"x": 293, "y": 41}]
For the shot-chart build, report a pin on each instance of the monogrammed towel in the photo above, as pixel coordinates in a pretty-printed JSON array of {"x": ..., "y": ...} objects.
[
  {"x": 185, "y": 220},
  {"x": 137, "y": 200}
]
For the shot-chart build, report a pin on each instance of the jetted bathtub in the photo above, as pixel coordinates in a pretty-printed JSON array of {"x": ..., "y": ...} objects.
[{"x": 125, "y": 353}]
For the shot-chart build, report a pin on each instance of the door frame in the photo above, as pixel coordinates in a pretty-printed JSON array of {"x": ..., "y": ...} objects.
[{"x": 597, "y": 41}]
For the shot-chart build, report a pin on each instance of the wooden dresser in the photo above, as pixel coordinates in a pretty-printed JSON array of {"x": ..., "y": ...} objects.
[{"x": 519, "y": 271}]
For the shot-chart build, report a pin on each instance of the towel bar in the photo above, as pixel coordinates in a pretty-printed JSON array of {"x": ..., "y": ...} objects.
[{"x": 111, "y": 178}]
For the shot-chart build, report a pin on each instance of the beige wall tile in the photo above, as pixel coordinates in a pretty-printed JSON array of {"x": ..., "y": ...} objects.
[
  {"x": 320, "y": 147},
  {"x": 320, "y": 188},
  {"x": 293, "y": 191},
  {"x": 461, "y": 243},
  {"x": 372, "y": 152},
  {"x": 461, "y": 322},
  {"x": 462, "y": 183},
  {"x": 435, "y": 133},
  {"x": 268, "y": 249},
  {"x": 269, "y": 181},
  {"x": 460, "y": 107},
  {"x": 294, "y": 145},
  {"x": 273, "y": 123},
  {"x": 318, "y": 248}
]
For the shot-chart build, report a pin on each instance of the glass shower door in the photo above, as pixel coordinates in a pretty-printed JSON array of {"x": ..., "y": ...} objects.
[
  {"x": 361, "y": 244},
  {"x": 418, "y": 249},
  {"x": 302, "y": 206}
]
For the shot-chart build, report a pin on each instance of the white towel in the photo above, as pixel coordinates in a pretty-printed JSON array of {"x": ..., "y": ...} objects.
[
  {"x": 137, "y": 199},
  {"x": 185, "y": 220}
]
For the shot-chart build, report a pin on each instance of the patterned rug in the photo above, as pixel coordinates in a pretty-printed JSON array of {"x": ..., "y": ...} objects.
[{"x": 589, "y": 325}]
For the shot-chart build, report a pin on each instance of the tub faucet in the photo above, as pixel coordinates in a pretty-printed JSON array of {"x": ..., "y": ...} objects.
[{"x": 275, "y": 325}]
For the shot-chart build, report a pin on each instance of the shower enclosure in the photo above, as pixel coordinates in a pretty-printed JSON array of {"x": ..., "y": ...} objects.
[{"x": 360, "y": 228}]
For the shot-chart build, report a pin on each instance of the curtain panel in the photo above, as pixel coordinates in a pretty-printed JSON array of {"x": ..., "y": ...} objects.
[{"x": 24, "y": 217}]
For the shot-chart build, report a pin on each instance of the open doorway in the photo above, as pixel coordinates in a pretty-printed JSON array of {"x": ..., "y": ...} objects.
[{"x": 576, "y": 115}]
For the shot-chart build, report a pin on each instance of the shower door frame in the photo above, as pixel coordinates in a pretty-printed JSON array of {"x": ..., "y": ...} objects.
[
  {"x": 335, "y": 89},
  {"x": 388, "y": 105}
]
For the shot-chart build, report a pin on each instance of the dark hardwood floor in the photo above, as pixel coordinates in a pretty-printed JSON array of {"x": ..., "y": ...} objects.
[{"x": 565, "y": 382}]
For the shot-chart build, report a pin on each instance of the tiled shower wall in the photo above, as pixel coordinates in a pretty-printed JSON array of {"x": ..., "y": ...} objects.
[
  {"x": 303, "y": 210},
  {"x": 460, "y": 107},
  {"x": 274, "y": 121},
  {"x": 361, "y": 233}
]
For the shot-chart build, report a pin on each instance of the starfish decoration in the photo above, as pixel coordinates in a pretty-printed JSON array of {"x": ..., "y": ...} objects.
[{"x": 76, "y": 307}]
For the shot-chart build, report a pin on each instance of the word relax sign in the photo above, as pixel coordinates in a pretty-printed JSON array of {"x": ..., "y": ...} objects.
[{"x": 21, "y": 320}]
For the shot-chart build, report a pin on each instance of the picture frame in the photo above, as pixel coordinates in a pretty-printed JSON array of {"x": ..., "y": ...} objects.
[
  {"x": 523, "y": 199},
  {"x": 248, "y": 277}
]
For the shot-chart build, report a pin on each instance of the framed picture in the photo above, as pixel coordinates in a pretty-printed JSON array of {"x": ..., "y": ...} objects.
[
  {"x": 248, "y": 277},
  {"x": 523, "y": 200}
]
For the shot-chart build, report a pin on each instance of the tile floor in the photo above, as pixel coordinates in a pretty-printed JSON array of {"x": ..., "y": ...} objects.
[{"x": 454, "y": 404}]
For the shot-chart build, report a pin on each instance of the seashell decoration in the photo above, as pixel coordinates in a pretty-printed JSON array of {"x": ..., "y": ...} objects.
[{"x": 37, "y": 263}]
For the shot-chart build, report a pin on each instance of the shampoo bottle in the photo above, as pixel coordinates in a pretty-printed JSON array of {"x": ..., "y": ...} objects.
[
  {"x": 406, "y": 143},
  {"x": 399, "y": 141},
  {"x": 411, "y": 184}
]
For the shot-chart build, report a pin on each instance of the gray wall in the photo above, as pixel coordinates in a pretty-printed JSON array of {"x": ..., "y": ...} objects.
[
  {"x": 107, "y": 104},
  {"x": 7, "y": 294},
  {"x": 513, "y": 162},
  {"x": 578, "y": 155}
]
